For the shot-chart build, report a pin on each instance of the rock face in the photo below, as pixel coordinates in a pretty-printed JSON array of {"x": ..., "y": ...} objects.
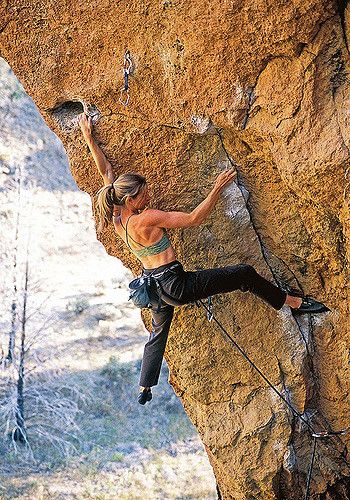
[{"x": 264, "y": 85}]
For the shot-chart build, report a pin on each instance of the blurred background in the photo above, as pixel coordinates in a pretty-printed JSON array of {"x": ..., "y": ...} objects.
[{"x": 71, "y": 343}]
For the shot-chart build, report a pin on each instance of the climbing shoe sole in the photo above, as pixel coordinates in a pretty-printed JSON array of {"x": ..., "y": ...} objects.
[{"x": 310, "y": 306}]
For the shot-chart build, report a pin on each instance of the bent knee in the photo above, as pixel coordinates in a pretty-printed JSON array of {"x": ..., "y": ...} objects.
[
  {"x": 247, "y": 270},
  {"x": 247, "y": 276}
]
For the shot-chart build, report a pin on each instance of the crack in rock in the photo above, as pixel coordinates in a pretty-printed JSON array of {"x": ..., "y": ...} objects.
[
  {"x": 246, "y": 196},
  {"x": 251, "y": 98},
  {"x": 342, "y": 5}
]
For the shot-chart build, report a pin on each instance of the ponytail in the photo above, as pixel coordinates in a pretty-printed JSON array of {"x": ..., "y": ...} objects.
[
  {"x": 126, "y": 186},
  {"x": 106, "y": 200}
]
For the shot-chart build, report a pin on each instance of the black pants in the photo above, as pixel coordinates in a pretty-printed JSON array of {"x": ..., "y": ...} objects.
[{"x": 183, "y": 287}]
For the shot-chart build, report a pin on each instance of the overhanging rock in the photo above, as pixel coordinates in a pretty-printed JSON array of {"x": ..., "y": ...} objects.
[{"x": 263, "y": 84}]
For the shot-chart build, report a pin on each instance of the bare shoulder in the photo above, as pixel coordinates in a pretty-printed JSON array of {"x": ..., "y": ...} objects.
[
  {"x": 168, "y": 220},
  {"x": 151, "y": 216}
]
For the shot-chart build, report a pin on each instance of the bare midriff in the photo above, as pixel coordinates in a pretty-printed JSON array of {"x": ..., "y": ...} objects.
[
  {"x": 151, "y": 261},
  {"x": 160, "y": 259}
]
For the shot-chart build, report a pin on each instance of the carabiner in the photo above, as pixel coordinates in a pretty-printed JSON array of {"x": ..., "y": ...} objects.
[
  {"x": 126, "y": 72},
  {"x": 210, "y": 312},
  {"x": 122, "y": 91}
]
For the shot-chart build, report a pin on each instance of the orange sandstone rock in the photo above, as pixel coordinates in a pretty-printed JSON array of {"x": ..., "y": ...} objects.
[{"x": 265, "y": 84}]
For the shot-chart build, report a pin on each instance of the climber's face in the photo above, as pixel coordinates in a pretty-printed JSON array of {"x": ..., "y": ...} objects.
[{"x": 142, "y": 199}]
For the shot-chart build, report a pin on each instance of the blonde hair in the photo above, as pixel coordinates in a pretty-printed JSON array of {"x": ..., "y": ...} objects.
[{"x": 125, "y": 186}]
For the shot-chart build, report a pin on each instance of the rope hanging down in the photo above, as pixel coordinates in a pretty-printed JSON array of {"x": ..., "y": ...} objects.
[
  {"x": 315, "y": 435},
  {"x": 124, "y": 91}
]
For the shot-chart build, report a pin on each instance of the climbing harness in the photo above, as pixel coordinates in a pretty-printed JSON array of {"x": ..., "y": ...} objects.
[
  {"x": 146, "y": 290},
  {"x": 124, "y": 91},
  {"x": 315, "y": 435},
  {"x": 142, "y": 292}
]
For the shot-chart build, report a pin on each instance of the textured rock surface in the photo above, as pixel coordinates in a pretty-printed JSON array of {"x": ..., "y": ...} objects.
[{"x": 266, "y": 84}]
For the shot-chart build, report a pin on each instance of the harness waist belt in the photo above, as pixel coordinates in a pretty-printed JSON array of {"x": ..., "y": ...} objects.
[
  {"x": 165, "y": 270},
  {"x": 166, "y": 267}
]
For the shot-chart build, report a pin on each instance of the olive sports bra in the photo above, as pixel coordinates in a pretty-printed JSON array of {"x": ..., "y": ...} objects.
[{"x": 154, "y": 249}]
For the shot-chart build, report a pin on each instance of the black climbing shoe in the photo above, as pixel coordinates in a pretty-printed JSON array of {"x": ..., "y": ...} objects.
[
  {"x": 310, "y": 306},
  {"x": 144, "y": 396}
]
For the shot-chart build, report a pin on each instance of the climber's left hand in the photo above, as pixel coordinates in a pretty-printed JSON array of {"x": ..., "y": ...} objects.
[{"x": 85, "y": 123}]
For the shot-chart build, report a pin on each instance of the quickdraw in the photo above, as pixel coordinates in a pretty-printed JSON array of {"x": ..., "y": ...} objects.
[
  {"x": 210, "y": 311},
  {"x": 127, "y": 68},
  {"x": 316, "y": 436}
]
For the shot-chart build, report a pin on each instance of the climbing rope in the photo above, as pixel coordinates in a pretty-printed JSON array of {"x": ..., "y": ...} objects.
[
  {"x": 124, "y": 91},
  {"x": 308, "y": 483},
  {"x": 246, "y": 357},
  {"x": 315, "y": 435}
]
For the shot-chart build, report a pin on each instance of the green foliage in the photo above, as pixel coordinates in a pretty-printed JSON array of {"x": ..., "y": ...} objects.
[
  {"x": 118, "y": 372},
  {"x": 77, "y": 305},
  {"x": 117, "y": 457},
  {"x": 17, "y": 94}
]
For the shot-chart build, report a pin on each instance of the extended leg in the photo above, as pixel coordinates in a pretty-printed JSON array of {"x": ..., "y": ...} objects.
[
  {"x": 155, "y": 347},
  {"x": 244, "y": 277},
  {"x": 240, "y": 277}
]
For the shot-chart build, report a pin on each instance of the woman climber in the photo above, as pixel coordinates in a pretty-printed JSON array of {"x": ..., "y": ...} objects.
[{"x": 124, "y": 200}]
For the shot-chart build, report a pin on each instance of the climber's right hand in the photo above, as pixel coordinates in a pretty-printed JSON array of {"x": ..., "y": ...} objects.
[{"x": 224, "y": 178}]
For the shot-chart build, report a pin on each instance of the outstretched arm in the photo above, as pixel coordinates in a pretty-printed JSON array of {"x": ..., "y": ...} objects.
[
  {"x": 198, "y": 215},
  {"x": 103, "y": 165}
]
